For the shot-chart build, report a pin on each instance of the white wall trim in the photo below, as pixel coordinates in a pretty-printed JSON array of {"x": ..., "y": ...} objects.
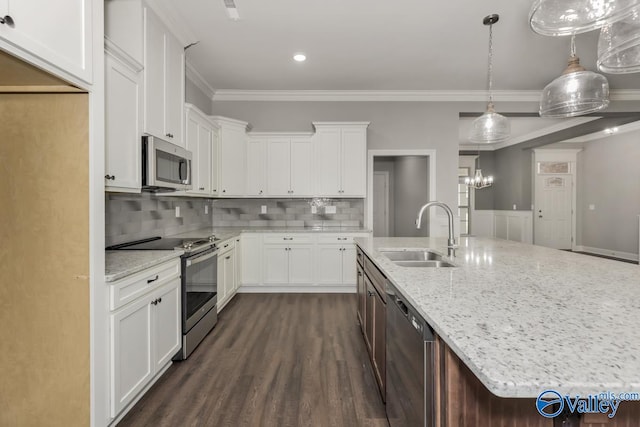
[
  {"x": 196, "y": 78},
  {"x": 397, "y": 95},
  {"x": 431, "y": 154},
  {"x": 516, "y": 226},
  {"x": 608, "y": 252},
  {"x": 302, "y": 289}
]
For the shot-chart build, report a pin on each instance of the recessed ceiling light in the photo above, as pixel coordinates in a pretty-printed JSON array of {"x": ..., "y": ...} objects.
[{"x": 299, "y": 57}]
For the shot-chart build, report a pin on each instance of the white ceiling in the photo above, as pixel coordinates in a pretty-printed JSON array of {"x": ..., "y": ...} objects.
[{"x": 376, "y": 45}]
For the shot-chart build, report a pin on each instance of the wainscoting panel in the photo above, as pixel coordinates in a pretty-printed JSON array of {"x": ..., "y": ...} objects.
[{"x": 516, "y": 226}]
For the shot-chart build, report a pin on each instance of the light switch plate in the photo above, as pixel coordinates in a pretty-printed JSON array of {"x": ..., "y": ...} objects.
[
  {"x": 329, "y": 209},
  {"x": 263, "y": 209},
  {"x": 314, "y": 209},
  {"x": 177, "y": 211},
  {"x": 206, "y": 209}
]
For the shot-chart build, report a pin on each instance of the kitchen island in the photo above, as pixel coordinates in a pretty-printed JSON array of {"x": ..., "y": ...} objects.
[{"x": 524, "y": 318}]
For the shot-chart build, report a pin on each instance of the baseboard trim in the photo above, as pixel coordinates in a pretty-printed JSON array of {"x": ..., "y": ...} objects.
[
  {"x": 300, "y": 289},
  {"x": 607, "y": 252}
]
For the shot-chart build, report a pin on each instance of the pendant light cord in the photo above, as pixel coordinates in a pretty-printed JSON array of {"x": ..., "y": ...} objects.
[
  {"x": 573, "y": 45},
  {"x": 490, "y": 64}
]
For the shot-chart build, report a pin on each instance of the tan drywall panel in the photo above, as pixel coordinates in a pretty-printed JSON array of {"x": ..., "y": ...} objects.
[
  {"x": 18, "y": 76},
  {"x": 44, "y": 253}
]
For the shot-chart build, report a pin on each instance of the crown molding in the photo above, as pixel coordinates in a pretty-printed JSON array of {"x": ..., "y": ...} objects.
[
  {"x": 375, "y": 95},
  {"x": 112, "y": 49},
  {"x": 398, "y": 95},
  {"x": 196, "y": 78}
]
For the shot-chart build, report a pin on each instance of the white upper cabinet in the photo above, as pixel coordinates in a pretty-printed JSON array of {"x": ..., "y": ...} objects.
[
  {"x": 123, "y": 119},
  {"x": 232, "y": 156},
  {"x": 256, "y": 167},
  {"x": 278, "y": 162},
  {"x": 199, "y": 136},
  {"x": 163, "y": 80},
  {"x": 46, "y": 32},
  {"x": 341, "y": 158},
  {"x": 302, "y": 166}
]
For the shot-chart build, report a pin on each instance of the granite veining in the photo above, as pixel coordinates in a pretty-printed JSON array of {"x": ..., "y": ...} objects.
[
  {"x": 526, "y": 318},
  {"x": 119, "y": 264}
]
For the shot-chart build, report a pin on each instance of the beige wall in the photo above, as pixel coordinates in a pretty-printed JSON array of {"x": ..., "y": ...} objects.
[{"x": 44, "y": 248}]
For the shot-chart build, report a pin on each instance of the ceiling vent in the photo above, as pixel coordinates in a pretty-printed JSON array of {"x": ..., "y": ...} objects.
[{"x": 232, "y": 11}]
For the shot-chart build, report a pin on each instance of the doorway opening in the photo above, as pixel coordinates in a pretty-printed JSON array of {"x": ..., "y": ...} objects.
[{"x": 399, "y": 183}]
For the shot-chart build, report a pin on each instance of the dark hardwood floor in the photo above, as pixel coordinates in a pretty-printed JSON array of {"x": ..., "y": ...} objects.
[{"x": 272, "y": 360}]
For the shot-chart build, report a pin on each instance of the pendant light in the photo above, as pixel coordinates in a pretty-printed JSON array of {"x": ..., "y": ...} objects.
[
  {"x": 619, "y": 45},
  {"x": 490, "y": 127},
  {"x": 478, "y": 182},
  {"x": 576, "y": 92},
  {"x": 567, "y": 17}
]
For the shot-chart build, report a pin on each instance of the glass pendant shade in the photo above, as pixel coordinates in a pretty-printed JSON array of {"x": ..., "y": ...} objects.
[
  {"x": 619, "y": 46},
  {"x": 490, "y": 128},
  {"x": 576, "y": 92},
  {"x": 566, "y": 17}
]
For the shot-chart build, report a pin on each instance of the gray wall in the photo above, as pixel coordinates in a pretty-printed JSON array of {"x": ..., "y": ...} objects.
[
  {"x": 411, "y": 188},
  {"x": 394, "y": 125},
  {"x": 196, "y": 97},
  {"x": 512, "y": 178},
  {"x": 609, "y": 178}
]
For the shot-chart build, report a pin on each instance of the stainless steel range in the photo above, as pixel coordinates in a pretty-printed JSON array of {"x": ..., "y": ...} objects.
[{"x": 199, "y": 284}]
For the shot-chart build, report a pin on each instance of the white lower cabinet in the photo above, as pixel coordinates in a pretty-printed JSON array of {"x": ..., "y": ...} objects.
[
  {"x": 336, "y": 261},
  {"x": 226, "y": 272},
  {"x": 251, "y": 254},
  {"x": 145, "y": 333}
]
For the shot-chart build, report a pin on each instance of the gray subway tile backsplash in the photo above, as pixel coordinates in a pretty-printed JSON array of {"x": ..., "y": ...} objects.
[{"x": 138, "y": 216}]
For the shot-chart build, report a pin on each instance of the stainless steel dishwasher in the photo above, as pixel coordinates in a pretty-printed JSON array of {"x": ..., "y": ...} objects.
[{"x": 410, "y": 365}]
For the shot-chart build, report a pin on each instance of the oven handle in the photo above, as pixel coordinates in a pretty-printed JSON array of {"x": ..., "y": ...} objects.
[{"x": 202, "y": 258}]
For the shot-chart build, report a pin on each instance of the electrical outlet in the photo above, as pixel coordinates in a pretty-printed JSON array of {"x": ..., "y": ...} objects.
[
  {"x": 592, "y": 207},
  {"x": 206, "y": 209},
  {"x": 329, "y": 209},
  {"x": 314, "y": 209},
  {"x": 263, "y": 209},
  {"x": 177, "y": 211},
  {"x": 515, "y": 207}
]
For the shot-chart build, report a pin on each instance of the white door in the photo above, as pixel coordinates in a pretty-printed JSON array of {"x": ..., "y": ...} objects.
[
  {"x": 349, "y": 270},
  {"x": 301, "y": 167},
  {"x": 154, "y": 90},
  {"x": 327, "y": 167},
  {"x": 381, "y": 204},
  {"x": 276, "y": 264},
  {"x": 167, "y": 327},
  {"x": 354, "y": 162},
  {"x": 131, "y": 352},
  {"x": 329, "y": 262},
  {"x": 278, "y": 167},
  {"x": 256, "y": 167},
  {"x": 552, "y": 214},
  {"x": 301, "y": 264}
]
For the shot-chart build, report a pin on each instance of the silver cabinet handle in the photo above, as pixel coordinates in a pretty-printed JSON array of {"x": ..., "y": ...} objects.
[
  {"x": 154, "y": 302},
  {"x": 153, "y": 280},
  {"x": 287, "y": 238},
  {"x": 342, "y": 238},
  {"x": 201, "y": 188},
  {"x": 228, "y": 257},
  {"x": 7, "y": 19}
]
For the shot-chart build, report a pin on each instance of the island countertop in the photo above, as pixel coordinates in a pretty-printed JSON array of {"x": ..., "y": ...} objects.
[{"x": 526, "y": 318}]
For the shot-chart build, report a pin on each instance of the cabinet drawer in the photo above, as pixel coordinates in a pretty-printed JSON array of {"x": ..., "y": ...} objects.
[
  {"x": 226, "y": 246},
  {"x": 131, "y": 287},
  {"x": 360, "y": 256},
  {"x": 288, "y": 238},
  {"x": 377, "y": 278},
  {"x": 338, "y": 238}
]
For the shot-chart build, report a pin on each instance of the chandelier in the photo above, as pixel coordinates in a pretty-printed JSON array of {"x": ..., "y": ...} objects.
[{"x": 478, "y": 181}]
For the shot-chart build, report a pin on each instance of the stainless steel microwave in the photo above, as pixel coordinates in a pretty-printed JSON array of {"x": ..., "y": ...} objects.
[{"x": 165, "y": 166}]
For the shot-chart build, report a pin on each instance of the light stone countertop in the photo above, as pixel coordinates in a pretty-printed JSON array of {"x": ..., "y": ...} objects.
[
  {"x": 526, "y": 318},
  {"x": 120, "y": 264}
]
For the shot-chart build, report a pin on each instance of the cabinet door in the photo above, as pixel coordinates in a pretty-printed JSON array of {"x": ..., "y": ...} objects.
[
  {"x": 328, "y": 166},
  {"x": 278, "y": 167},
  {"x": 354, "y": 164},
  {"x": 361, "y": 288},
  {"x": 59, "y": 32},
  {"x": 370, "y": 293},
  {"x": 379, "y": 340},
  {"x": 238, "y": 267},
  {"x": 203, "y": 160},
  {"x": 199, "y": 163},
  {"x": 167, "y": 325},
  {"x": 154, "y": 90},
  {"x": 222, "y": 293},
  {"x": 215, "y": 168},
  {"x": 122, "y": 126},
  {"x": 256, "y": 167},
  {"x": 276, "y": 264},
  {"x": 329, "y": 264},
  {"x": 233, "y": 151},
  {"x": 301, "y": 167},
  {"x": 251, "y": 259},
  {"x": 301, "y": 264},
  {"x": 349, "y": 272},
  {"x": 229, "y": 274},
  {"x": 131, "y": 352},
  {"x": 173, "y": 86}
]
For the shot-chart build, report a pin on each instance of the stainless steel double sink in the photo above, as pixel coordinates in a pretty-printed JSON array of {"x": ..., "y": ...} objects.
[{"x": 416, "y": 258}]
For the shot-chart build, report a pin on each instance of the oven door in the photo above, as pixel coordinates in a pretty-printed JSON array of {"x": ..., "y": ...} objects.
[{"x": 199, "y": 286}]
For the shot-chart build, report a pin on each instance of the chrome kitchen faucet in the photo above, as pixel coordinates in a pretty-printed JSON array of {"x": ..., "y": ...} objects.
[{"x": 451, "y": 242}]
